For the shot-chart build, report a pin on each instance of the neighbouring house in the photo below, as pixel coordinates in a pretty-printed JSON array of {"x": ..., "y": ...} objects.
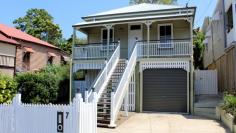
[
  {"x": 141, "y": 56},
  {"x": 7, "y": 55},
  {"x": 32, "y": 53},
  {"x": 220, "y": 40}
]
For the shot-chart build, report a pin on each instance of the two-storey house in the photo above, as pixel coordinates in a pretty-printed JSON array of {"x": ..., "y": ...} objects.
[{"x": 140, "y": 54}]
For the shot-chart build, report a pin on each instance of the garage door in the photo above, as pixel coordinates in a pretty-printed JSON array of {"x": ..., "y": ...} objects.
[{"x": 165, "y": 90}]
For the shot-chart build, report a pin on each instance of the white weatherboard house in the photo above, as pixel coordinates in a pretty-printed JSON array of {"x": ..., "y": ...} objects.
[{"x": 138, "y": 58}]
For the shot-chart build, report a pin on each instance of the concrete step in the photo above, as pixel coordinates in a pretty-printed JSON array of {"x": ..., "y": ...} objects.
[
  {"x": 102, "y": 125},
  {"x": 205, "y": 112}
]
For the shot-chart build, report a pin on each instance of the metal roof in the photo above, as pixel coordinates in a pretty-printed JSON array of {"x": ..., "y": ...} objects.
[{"x": 137, "y": 8}]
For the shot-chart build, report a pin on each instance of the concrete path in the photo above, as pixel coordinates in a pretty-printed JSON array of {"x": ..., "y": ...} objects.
[{"x": 166, "y": 123}]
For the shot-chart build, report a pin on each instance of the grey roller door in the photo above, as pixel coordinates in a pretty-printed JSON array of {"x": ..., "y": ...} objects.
[{"x": 165, "y": 90}]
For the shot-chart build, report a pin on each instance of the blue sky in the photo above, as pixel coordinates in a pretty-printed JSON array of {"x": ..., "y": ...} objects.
[{"x": 68, "y": 12}]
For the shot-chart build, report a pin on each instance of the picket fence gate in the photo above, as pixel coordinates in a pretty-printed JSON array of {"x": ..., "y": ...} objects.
[
  {"x": 205, "y": 82},
  {"x": 77, "y": 117}
]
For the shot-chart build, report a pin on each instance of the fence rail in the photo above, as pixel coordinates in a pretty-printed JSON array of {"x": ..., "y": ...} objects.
[
  {"x": 157, "y": 49},
  {"x": 77, "y": 117}
]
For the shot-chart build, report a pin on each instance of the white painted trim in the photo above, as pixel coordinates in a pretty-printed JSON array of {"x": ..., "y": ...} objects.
[
  {"x": 164, "y": 64},
  {"x": 113, "y": 36}
]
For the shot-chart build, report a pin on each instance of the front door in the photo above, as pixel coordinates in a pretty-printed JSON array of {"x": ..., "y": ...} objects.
[{"x": 135, "y": 33}]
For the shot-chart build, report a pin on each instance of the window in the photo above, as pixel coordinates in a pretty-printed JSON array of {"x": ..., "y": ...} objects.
[
  {"x": 80, "y": 75},
  {"x": 26, "y": 61},
  {"x": 104, "y": 36},
  {"x": 135, "y": 27},
  {"x": 230, "y": 19},
  {"x": 50, "y": 60},
  {"x": 165, "y": 36}
]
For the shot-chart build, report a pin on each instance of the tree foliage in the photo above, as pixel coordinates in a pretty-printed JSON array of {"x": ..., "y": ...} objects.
[
  {"x": 198, "y": 49},
  {"x": 153, "y": 1},
  {"x": 66, "y": 44},
  {"x": 7, "y": 88},
  {"x": 39, "y": 23}
]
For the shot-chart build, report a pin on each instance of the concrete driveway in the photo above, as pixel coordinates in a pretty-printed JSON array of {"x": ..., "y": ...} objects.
[{"x": 166, "y": 123}]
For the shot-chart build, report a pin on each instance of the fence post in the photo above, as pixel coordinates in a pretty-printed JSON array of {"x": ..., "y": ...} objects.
[
  {"x": 16, "y": 109},
  {"x": 112, "y": 121},
  {"x": 126, "y": 104},
  {"x": 86, "y": 96},
  {"x": 94, "y": 112},
  {"x": 76, "y": 113}
]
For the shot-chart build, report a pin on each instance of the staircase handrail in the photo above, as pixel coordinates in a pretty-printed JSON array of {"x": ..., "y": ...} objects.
[
  {"x": 118, "y": 95},
  {"x": 104, "y": 75}
]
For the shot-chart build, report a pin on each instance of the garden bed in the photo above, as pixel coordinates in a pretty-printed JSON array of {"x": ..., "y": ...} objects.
[{"x": 227, "y": 112}]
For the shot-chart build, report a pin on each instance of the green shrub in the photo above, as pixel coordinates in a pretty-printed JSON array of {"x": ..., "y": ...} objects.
[
  {"x": 230, "y": 104},
  {"x": 50, "y": 85},
  {"x": 37, "y": 87},
  {"x": 62, "y": 72},
  {"x": 7, "y": 88}
]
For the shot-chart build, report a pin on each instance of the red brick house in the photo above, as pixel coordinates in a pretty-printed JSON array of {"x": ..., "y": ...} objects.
[{"x": 33, "y": 53}]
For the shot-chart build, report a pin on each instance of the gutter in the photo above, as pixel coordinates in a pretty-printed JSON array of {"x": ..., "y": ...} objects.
[{"x": 133, "y": 13}]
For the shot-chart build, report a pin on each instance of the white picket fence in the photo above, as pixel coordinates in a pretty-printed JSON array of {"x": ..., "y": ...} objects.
[
  {"x": 77, "y": 117},
  {"x": 205, "y": 82}
]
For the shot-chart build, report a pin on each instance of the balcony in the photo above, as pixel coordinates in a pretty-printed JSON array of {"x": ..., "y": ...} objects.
[
  {"x": 98, "y": 51},
  {"x": 153, "y": 49},
  {"x": 168, "y": 48}
]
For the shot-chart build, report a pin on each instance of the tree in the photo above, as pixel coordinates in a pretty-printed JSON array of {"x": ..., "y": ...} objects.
[
  {"x": 153, "y": 1},
  {"x": 7, "y": 88},
  {"x": 66, "y": 45},
  {"x": 39, "y": 23},
  {"x": 198, "y": 49}
]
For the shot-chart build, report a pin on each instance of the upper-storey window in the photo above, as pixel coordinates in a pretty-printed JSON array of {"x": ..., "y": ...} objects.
[
  {"x": 165, "y": 35},
  {"x": 104, "y": 35},
  {"x": 230, "y": 19}
]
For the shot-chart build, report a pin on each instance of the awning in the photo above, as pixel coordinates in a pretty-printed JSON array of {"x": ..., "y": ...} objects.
[
  {"x": 66, "y": 58},
  {"x": 28, "y": 49},
  {"x": 51, "y": 54}
]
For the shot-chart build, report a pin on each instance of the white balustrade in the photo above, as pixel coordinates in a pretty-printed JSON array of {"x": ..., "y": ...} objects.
[
  {"x": 94, "y": 51},
  {"x": 158, "y": 49}
]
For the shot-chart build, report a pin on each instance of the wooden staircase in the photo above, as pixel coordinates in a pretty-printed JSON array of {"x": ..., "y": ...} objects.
[{"x": 104, "y": 103}]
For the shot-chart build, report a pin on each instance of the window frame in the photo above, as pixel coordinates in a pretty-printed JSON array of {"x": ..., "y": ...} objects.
[
  {"x": 113, "y": 37},
  {"x": 159, "y": 36}
]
